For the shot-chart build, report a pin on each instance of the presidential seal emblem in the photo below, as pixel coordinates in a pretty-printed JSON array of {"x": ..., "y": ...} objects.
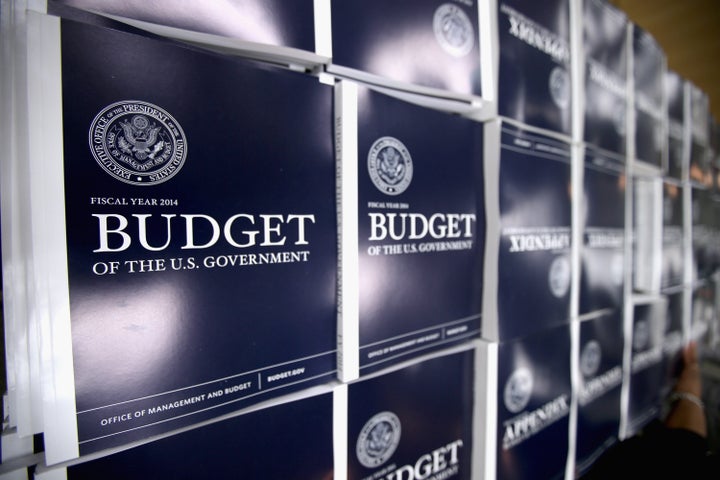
[
  {"x": 453, "y": 30},
  {"x": 378, "y": 439},
  {"x": 137, "y": 142},
  {"x": 590, "y": 358},
  {"x": 518, "y": 390},
  {"x": 390, "y": 165},
  {"x": 559, "y": 276},
  {"x": 559, "y": 85}
]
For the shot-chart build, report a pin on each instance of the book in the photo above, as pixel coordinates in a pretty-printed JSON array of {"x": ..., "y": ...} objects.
[
  {"x": 528, "y": 208},
  {"x": 700, "y": 155},
  {"x": 534, "y": 71},
  {"x": 649, "y": 67},
  {"x": 602, "y": 257},
  {"x": 677, "y": 159},
  {"x": 647, "y": 207},
  {"x": 703, "y": 316},
  {"x": 647, "y": 369},
  {"x": 600, "y": 361},
  {"x": 191, "y": 256},
  {"x": 673, "y": 239},
  {"x": 248, "y": 445},
  {"x": 412, "y": 422},
  {"x": 525, "y": 405},
  {"x": 674, "y": 335},
  {"x": 274, "y": 31},
  {"x": 411, "y": 225},
  {"x": 21, "y": 318},
  {"x": 701, "y": 233},
  {"x": 606, "y": 50},
  {"x": 430, "y": 47}
]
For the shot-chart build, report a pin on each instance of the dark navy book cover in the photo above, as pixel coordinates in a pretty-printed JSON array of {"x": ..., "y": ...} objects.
[
  {"x": 704, "y": 313},
  {"x": 673, "y": 261},
  {"x": 415, "y": 422},
  {"x": 603, "y": 216},
  {"x": 601, "y": 374},
  {"x": 606, "y": 51},
  {"x": 533, "y": 402},
  {"x": 201, "y": 233},
  {"x": 701, "y": 233},
  {"x": 246, "y": 446},
  {"x": 421, "y": 229},
  {"x": 534, "y": 71},
  {"x": 421, "y": 43},
  {"x": 675, "y": 94},
  {"x": 647, "y": 374},
  {"x": 700, "y": 143},
  {"x": 673, "y": 335},
  {"x": 269, "y": 22},
  {"x": 533, "y": 284},
  {"x": 649, "y": 74}
]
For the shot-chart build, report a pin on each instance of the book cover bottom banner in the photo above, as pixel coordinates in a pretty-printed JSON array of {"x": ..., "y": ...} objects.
[{"x": 247, "y": 446}]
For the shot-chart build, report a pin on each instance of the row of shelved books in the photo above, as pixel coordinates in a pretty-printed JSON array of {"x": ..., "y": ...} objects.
[
  {"x": 577, "y": 68},
  {"x": 187, "y": 235},
  {"x": 482, "y": 410}
]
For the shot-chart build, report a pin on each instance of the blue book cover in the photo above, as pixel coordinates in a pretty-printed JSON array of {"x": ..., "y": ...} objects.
[
  {"x": 527, "y": 271},
  {"x": 674, "y": 334},
  {"x": 673, "y": 244},
  {"x": 201, "y": 250},
  {"x": 533, "y": 402},
  {"x": 414, "y": 422},
  {"x": 428, "y": 45},
  {"x": 700, "y": 156},
  {"x": 535, "y": 63},
  {"x": 649, "y": 73},
  {"x": 702, "y": 208},
  {"x": 715, "y": 157},
  {"x": 647, "y": 369},
  {"x": 265, "y": 26},
  {"x": 603, "y": 218},
  {"x": 412, "y": 229},
  {"x": 703, "y": 316},
  {"x": 606, "y": 69},
  {"x": 290, "y": 441},
  {"x": 675, "y": 96},
  {"x": 601, "y": 376}
]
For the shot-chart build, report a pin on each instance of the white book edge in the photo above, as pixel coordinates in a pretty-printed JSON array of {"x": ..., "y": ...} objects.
[
  {"x": 485, "y": 424},
  {"x": 323, "y": 28},
  {"x": 346, "y": 150},
  {"x": 340, "y": 432},
  {"x": 290, "y": 56},
  {"x": 489, "y": 51},
  {"x": 8, "y": 201},
  {"x": 575, "y": 385},
  {"x": 20, "y": 233},
  {"x": 491, "y": 166},
  {"x": 30, "y": 176},
  {"x": 578, "y": 224},
  {"x": 55, "y": 474},
  {"x": 20, "y": 474},
  {"x": 455, "y": 102},
  {"x": 61, "y": 436},
  {"x": 577, "y": 65}
]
